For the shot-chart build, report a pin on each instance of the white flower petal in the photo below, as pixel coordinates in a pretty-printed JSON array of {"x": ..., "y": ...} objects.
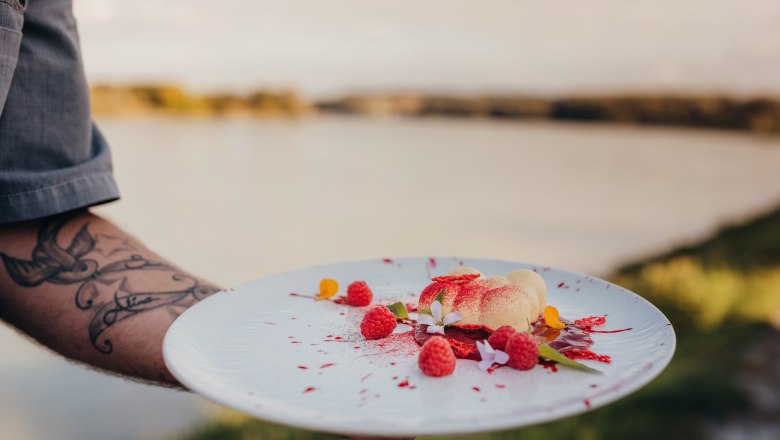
[
  {"x": 500, "y": 357},
  {"x": 485, "y": 365},
  {"x": 435, "y": 329},
  {"x": 452, "y": 317},
  {"x": 436, "y": 310},
  {"x": 482, "y": 350},
  {"x": 489, "y": 348},
  {"x": 426, "y": 319}
]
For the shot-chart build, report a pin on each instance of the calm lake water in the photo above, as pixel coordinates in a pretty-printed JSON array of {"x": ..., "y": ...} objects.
[{"x": 237, "y": 199}]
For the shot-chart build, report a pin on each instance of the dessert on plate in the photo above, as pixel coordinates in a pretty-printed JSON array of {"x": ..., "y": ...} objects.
[
  {"x": 517, "y": 299},
  {"x": 495, "y": 320}
]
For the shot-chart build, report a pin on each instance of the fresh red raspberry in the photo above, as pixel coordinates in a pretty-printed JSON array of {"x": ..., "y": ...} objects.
[
  {"x": 436, "y": 357},
  {"x": 358, "y": 294},
  {"x": 522, "y": 350},
  {"x": 498, "y": 338},
  {"x": 377, "y": 323}
]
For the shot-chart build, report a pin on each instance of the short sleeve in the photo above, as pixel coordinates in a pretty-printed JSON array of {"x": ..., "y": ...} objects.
[{"x": 53, "y": 158}]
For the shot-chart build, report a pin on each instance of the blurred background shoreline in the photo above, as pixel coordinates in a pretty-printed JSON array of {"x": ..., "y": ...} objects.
[{"x": 759, "y": 114}]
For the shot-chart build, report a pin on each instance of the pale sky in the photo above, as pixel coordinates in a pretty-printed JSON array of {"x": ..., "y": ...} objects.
[{"x": 469, "y": 46}]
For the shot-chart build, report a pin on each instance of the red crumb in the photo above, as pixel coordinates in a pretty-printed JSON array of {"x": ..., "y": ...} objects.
[
  {"x": 401, "y": 343},
  {"x": 475, "y": 389},
  {"x": 308, "y": 390},
  {"x": 575, "y": 354},
  {"x": 587, "y": 403},
  {"x": 387, "y": 260},
  {"x": 461, "y": 349},
  {"x": 326, "y": 365},
  {"x": 550, "y": 365},
  {"x": 404, "y": 383},
  {"x": 590, "y": 322},
  {"x": 498, "y": 385},
  {"x": 456, "y": 279},
  {"x": 303, "y": 367},
  {"x": 432, "y": 262}
]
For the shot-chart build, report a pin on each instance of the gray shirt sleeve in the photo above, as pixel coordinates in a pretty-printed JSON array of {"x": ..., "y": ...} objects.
[
  {"x": 10, "y": 36},
  {"x": 52, "y": 156}
]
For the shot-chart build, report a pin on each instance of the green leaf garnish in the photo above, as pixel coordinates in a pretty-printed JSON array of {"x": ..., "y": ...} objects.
[
  {"x": 399, "y": 310},
  {"x": 552, "y": 354},
  {"x": 440, "y": 296}
]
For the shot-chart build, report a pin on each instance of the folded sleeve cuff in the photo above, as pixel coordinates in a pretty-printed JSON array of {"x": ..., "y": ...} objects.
[{"x": 79, "y": 192}]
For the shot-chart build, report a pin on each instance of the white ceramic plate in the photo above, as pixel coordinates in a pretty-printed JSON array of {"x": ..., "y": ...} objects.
[{"x": 300, "y": 362}]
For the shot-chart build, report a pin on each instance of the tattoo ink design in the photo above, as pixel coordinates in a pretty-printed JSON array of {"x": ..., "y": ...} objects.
[
  {"x": 117, "y": 291},
  {"x": 51, "y": 262}
]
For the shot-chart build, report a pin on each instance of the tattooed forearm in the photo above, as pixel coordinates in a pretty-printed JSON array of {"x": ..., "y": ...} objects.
[
  {"x": 126, "y": 302},
  {"x": 113, "y": 280}
]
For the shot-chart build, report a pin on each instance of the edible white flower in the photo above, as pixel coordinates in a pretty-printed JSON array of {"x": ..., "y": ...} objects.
[
  {"x": 490, "y": 356},
  {"x": 434, "y": 321}
]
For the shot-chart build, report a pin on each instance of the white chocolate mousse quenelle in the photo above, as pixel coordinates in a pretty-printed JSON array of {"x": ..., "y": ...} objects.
[{"x": 517, "y": 299}]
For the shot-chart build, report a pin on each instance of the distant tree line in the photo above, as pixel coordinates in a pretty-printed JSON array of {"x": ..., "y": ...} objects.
[
  {"x": 758, "y": 115},
  {"x": 761, "y": 115}
]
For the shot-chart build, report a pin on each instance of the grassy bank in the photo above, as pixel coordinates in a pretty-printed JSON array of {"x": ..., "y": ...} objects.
[
  {"x": 174, "y": 100},
  {"x": 721, "y": 294}
]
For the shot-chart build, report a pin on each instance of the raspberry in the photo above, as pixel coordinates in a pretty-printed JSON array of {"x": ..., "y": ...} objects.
[
  {"x": 522, "y": 350},
  {"x": 377, "y": 323},
  {"x": 498, "y": 338},
  {"x": 436, "y": 357},
  {"x": 358, "y": 294}
]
